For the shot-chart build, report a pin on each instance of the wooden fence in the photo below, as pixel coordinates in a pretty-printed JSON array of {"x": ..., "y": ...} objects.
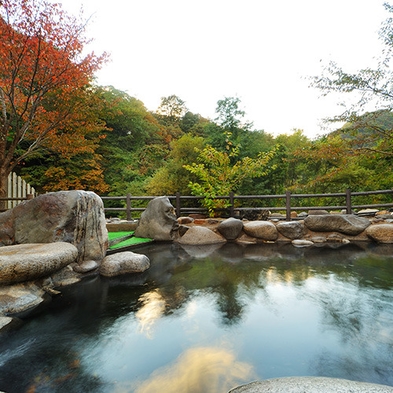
[
  {"x": 17, "y": 191},
  {"x": 285, "y": 203},
  {"x": 132, "y": 205}
]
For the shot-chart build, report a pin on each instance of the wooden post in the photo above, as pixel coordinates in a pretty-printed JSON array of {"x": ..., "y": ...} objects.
[
  {"x": 178, "y": 206},
  {"x": 288, "y": 205},
  {"x": 348, "y": 201},
  {"x": 232, "y": 206},
  {"x": 128, "y": 205}
]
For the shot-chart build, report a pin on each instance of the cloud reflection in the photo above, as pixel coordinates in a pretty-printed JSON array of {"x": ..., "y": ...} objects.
[
  {"x": 152, "y": 310},
  {"x": 202, "y": 369}
]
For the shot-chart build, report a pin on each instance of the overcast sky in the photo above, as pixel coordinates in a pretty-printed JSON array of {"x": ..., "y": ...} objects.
[{"x": 261, "y": 51}]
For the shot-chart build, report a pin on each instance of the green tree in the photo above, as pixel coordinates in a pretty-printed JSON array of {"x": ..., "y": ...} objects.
[
  {"x": 172, "y": 177},
  {"x": 230, "y": 116},
  {"x": 218, "y": 176},
  {"x": 169, "y": 114},
  {"x": 371, "y": 91},
  {"x": 135, "y": 145}
]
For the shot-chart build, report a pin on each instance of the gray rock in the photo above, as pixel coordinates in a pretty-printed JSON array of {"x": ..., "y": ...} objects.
[
  {"x": 185, "y": 220},
  {"x": 261, "y": 230},
  {"x": 75, "y": 217},
  {"x": 4, "y": 321},
  {"x": 158, "y": 221},
  {"x": 86, "y": 266},
  {"x": 24, "y": 262},
  {"x": 65, "y": 276},
  {"x": 18, "y": 298},
  {"x": 318, "y": 212},
  {"x": 124, "y": 263},
  {"x": 381, "y": 233},
  {"x": 200, "y": 235},
  {"x": 368, "y": 212},
  {"x": 348, "y": 224},
  {"x": 302, "y": 243},
  {"x": 311, "y": 385},
  {"x": 291, "y": 229},
  {"x": 318, "y": 239},
  {"x": 230, "y": 228}
]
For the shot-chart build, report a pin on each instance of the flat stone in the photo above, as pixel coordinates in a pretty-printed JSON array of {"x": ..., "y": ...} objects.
[
  {"x": 311, "y": 385},
  {"x": 368, "y": 212},
  {"x": 348, "y": 224},
  {"x": 19, "y": 298},
  {"x": 24, "y": 262}
]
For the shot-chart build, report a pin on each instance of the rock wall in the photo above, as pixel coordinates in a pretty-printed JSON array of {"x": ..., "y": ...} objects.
[{"x": 314, "y": 229}]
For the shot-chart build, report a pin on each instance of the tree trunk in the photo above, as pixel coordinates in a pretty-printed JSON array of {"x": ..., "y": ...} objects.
[{"x": 3, "y": 190}]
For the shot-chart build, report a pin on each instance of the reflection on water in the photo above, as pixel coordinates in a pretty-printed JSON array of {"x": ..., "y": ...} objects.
[
  {"x": 206, "y": 369},
  {"x": 152, "y": 309},
  {"x": 206, "y": 320}
]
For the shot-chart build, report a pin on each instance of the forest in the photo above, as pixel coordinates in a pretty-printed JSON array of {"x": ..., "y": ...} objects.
[{"x": 59, "y": 130}]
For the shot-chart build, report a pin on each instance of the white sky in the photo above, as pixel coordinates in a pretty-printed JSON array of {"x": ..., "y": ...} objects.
[{"x": 261, "y": 51}]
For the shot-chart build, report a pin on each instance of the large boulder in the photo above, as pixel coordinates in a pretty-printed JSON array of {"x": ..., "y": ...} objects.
[
  {"x": 124, "y": 263},
  {"x": 75, "y": 217},
  {"x": 264, "y": 230},
  {"x": 381, "y": 233},
  {"x": 348, "y": 224},
  {"x": 26, "y": 262},
  {"x": 230, "y": 228},
  {"x": 158, "y": 221},
  {"x": 200, "y": 236},
  {"x": 311, "y": 385}
]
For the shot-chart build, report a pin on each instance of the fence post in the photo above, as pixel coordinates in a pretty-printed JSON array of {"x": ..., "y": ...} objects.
[
  {"x": 348, "y": 201},
  {"x": 128, "y": 204},
  {"x": 288, "y": 205},
  {"x": 232, "y": 206},
  {"x": 178, "y": 207}
]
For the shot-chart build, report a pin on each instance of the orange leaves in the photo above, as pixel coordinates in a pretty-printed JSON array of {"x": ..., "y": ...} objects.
[{"x": 43, "y": 77}]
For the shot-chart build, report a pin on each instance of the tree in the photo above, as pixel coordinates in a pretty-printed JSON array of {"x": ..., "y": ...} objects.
[
  {"x": 372, "y": 90},
  {"x": 44, "y": 77},
  {"x": 229, "y": 114},
  {"x": 218, "y": 176},
  {"x": 172, "y": 108},
  {"x": 172, "y": 177},
  {"x": 228, "y": 128}
]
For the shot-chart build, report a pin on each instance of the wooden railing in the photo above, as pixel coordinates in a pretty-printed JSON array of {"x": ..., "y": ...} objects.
[{"x": 274, "y": 203}]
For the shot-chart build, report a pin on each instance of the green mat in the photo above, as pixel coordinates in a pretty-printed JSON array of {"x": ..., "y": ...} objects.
[{"x": 128, "y": 242}]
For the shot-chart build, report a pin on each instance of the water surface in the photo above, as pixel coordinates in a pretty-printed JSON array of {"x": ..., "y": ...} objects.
[{"x": 208, "y": 319}]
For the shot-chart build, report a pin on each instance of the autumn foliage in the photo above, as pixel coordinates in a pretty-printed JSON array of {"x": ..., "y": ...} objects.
[{"x": 45, "y": 97}]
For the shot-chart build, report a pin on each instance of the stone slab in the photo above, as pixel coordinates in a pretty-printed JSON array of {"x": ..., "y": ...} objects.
[
  {"x": 311, "y": 385},
  {"x": 23, "y": 262}
]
